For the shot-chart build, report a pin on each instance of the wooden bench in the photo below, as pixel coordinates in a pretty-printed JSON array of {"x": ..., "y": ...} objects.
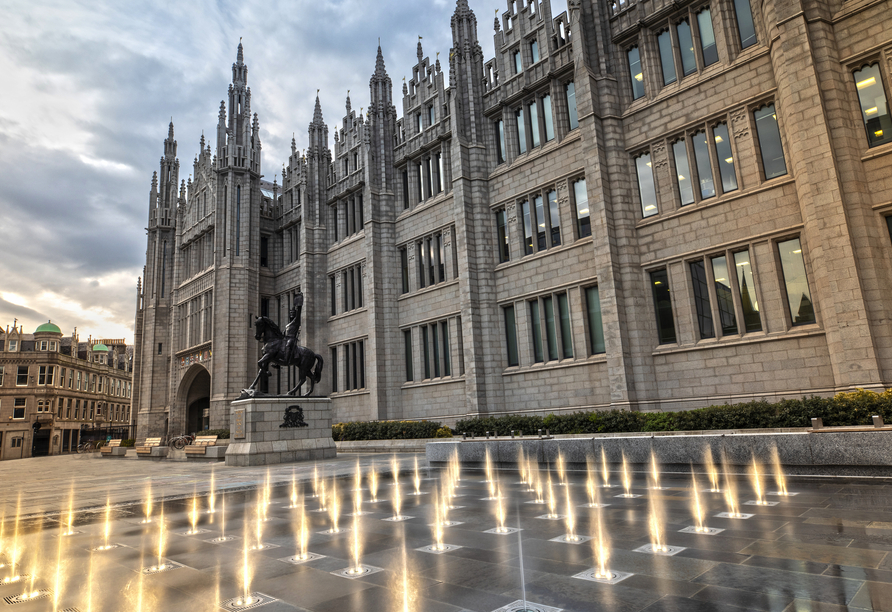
[
  {"x": 151, "y": 448},
  {"x": 205, "y": 447},
  {"x": 113, "y": 449}
]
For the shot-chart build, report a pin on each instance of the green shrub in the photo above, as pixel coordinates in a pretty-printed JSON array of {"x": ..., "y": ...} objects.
[
  {"x": 128, "y": 443},
  {"x": 222, "y": 434},
  {"x": 384, "y": 430},
  {"x": 443, "y": 432},
  {"x": 855, "y": 408}
]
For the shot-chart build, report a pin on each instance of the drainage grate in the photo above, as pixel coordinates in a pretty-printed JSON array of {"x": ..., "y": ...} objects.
[
  {"x": 255, "y": 600},
  {"x": 107, "y": 547},
  {"x": 439, "y": 551},
  {"x": 332, "y": 532},
  {"x": 539, "y": 503},
  {"x": 787, "y": 494},
  {"x": 738, "y": 515},
  {"x": 222, "y": 539},
  {"x": 502, "y": 530},
  {"x": 612, "y": 577},
  {"x": 26, "y": 597},
  {"x": 529, "y": 606},
  {"x": 552, "y": 517},
  {"x": 192, "y": 533},
  {"x": 166, "y": 566},
  {"x": 70, "y": 610},
  {"x": 577, "y": 539},
  {"x": 667, "y": 551},
  {"x": 755, "y": 502},
  {"x": 447, "y": 524},
  {"x": 297, "y": 559},
  {"x": 398, "y": 519},
  {"x": 490, "y": 498},
  {"x": 263, "y": 546},
  {"x": 364, "y": 570},
  {"x": 702, "y": 530},
  {"x": 628, "y": 495},
  {"x": 65, "y": 534},
  {"x": 15, "y": 579},
  {"x": 593, "y": 506}
]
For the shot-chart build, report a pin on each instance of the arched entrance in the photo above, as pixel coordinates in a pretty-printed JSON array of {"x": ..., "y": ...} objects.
[{"x": 195, "y": 398}]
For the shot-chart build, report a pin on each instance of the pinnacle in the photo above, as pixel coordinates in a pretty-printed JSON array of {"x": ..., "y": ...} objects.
[
  {"x": 170, "y": 129},
  {"x": 317, "y": 112},
  {"x": 240, "y": 58},
  {"x": 380, "y": 70}
]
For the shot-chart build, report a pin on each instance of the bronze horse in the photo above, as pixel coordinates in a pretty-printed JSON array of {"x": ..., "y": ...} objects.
[{"x": 277, "y": 352}]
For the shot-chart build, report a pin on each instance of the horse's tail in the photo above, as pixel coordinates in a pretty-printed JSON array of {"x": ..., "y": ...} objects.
[{"x": 317, "y": 371}]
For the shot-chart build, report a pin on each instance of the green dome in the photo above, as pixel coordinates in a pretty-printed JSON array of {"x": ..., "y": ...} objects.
[
  {"x": 100, "y": 348},
  {"x": 48, "y": 327}
]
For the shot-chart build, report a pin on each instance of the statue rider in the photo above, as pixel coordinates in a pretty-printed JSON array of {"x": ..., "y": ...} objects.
[{"x": 292, "y": 330}]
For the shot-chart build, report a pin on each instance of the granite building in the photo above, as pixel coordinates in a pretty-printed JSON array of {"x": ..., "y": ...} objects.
[{"x": 645, "y": 205}]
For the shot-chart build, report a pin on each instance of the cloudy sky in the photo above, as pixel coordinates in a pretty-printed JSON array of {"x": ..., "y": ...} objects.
[{"x": 89, "y": 88}]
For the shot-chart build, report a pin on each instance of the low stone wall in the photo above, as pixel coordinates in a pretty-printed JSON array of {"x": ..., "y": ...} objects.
[
  {"x": 384, "y": 446},
  {"x": 820, "y": 454}
]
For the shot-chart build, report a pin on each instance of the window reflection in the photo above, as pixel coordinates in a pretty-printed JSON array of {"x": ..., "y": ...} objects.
[
  {"x": 798, "y": 295},
  {"x": 635, "y": 70},
  {"x": 770, "y": 142},
  {"x": 747, "y": 286},
  {"x": 646, "y": 187},
  {"x": 874, "y": 106},
  {"x": 704, "y": 170},
  {"x": 725, "y": 157},
  {"x": 724, "y": 296},
  {"x": 683, "y": 172}
]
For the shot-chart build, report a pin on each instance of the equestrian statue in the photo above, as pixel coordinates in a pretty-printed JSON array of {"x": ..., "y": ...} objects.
[{"x": 284, "y": 350}]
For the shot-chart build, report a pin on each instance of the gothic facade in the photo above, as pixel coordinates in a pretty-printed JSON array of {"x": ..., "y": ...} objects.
[{"x": 638, "y": 205}]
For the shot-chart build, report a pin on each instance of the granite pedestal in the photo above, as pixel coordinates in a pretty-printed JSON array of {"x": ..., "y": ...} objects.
[{"x": 258, "y": 438}]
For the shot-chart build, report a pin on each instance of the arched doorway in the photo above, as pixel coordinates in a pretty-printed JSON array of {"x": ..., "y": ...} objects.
[{"x": 195, "y": 398}]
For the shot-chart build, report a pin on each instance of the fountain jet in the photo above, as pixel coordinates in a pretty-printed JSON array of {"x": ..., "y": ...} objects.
[
  {"x": 373, "y": 483},
  {"x": 654, "y": 472},
  {"x": 416, "y": 478},
  {"x": 712, "y": 471},
  {"x": 212, "y": 497},
  {"x": 779, "y": 476}
]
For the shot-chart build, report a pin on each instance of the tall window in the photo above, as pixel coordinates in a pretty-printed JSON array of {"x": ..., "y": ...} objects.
[
  {"x": 745, "y": 26},
  {"x": 595, "y": 323},
  {"x": 646, "y": 188},
  {"x": 583, "y": 213},
  {"x": 704, "y": 169},
  {"x": 334, "y": 296},
  {"x": 431, "y": 114},
  {"x": 536, "y": 331},
  {"x": 770, "y": 146},
  {"x": 566, "y": 334},
  {"x": 405, "y": 189},
  {"x": 334, "y": 369},
  {"x": 534, "y": 50},
  {"x": 746, "y": 285},
  {"x": 238, "y": 218},
  {"x": 659, "y": 281},
  {"x": 21, "y": 379},
  {"x": 407, "y": 344},
  {"x": 554, "y": 218},
  {"x": 527, "y": 227},
  {"x": 18, "y": 409},
  {"x": 541, "y": 229},
  {"x": 404, "y": 269},
  {"x": 521, "y": 131},
  {"x": 548, "y": 118},
  {"x": 667, "y": 60},
  {"x": 725, "y": 157},
  {"x": 701, "y": 299},
  {"x": 686, "y": 47},
  {"x": 500, "y": 138},
  {"x": 511, "y": 335},
  {"x": 502, "y": 235},
  {"x": 874, "y": 105},
  {"x": 444, "y": 341},
  {"x": 570, "y": 89},
  {"x": 518, "y": 66},
  {"x": 264, "y": 252},
  {"x": 802, "y": 309},
  {"x": 534, "y": 124},
  {"x": 723, "y": 295},
  {"x": 708, "y": 51},
  {"x": 550, "y": 329},
  {"x": 683, "y": 172},
  {"x": 425, "y": 347},
  {"x": 635, "y": 71}
]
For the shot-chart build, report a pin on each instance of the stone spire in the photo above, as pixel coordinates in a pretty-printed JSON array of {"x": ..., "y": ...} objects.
[
  {"x": 170, "y": 145},
  {"x": 380, "y": 70},
  {"x": 349, "y": 106},
  {"x": 317, "y": 112},
  {"x": 240, "y": 56}
]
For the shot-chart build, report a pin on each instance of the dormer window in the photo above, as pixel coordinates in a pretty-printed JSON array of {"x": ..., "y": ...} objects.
[
  {"x": 13, "y": 346},
  {"x": 43, "y": 345}
]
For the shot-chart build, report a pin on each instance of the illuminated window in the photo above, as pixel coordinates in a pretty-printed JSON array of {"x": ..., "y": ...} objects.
[
  {"x": 511, "y": 335},
  {"x": 725, "y": 157},
  {"x": 802, "y": 311},
  {"x": 583, "y": 213},
  {"x": 683, "y": 172},
  {"x": 874, "y": 105},
  {"x": 635, "y": 71},
  {"x": 770, "y": 146},
  {"x": 686, "y": 47},
  {"x": 646, "y": 188}
]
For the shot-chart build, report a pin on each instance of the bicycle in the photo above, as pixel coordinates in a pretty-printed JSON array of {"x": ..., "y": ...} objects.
[
  {"x": 86, "y": 447},
  {"x": 181, "y": 442}
]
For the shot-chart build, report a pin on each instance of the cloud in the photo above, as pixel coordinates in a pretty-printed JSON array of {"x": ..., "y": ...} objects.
[{"x": 90, "y": 87}]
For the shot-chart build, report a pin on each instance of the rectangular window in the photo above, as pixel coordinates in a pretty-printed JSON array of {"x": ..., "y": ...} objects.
[
  {"x": 583, "y": 213},
  {"x": 420, "y": 168},
  {"x": 534, "y": 123},
  {"x": 550, "y": 329},
  {"x": 527, "y": 227},
  {"x": 431, "y": 115},
  {"x": 725, "y": 157},
  {"x": 802, "y": 309},
  {"x": 345, "y": 292},
  {"x": 745, "y": 26},
  {"x": 521, "y": 131},
  {"x": 570, "y": 89},
  {"x": 405, "y": 189},
  {"x": 435, "y": 350},
  {"x": 1, "y": 375},
  {"x": 511, "y": 336},
  {"x": 13, "y": 346},
  {"x": 518, "y": 67},
  {"x": 18, "y": 409},
  {"x": 404, "y": 269},
  {"x": 874, "y": 105},
  {"x": 444, "y": 336},
  {"x": 667, "y": 61},
  {"x": 334, "y": 221},
  {"x": 595, "y": 323},
  {"x": 708, "y": 50},
  {"x": 541, "y": 230},
  {"x": 683, "y": 172},
  {"x": 566, "y": 334},
  {"x": 362, "y": 364},
  {"x": 425, "y": 348},
  {"x": 536, "y": 331},
  {"x": 534, "y": 50},
  {"x": 334, "y": 369},
  {"x": 701, "y": 299},
  {"x": 419, "y": 255},
  {"x": 659, "y": 281},
  {"x": 438, "y": 164},
  {"x": 548, "y": 118},
  {"x": 418, "y": 122},
  {"x": 407, "y": 354},
  {"x": 724, "y": 296},
  {"x": 431, "y": 263},
  {"x": 554, "y": 218},
  {"x": 770, "y": 146},
  {"x": 704, "y": 169},
  {"x": 21, "y": 379},
  {"x": 635, "y": 71},
  {"x": 500, "y": 137},
  {"x": 646, "y": 188},
  {"x": 264, "y": 252},
  {"x": 686, "y": 47},
  {"x": 746, "y": 285},
  {"x": 334, "y": 296},
  {"x": 427, "y": 177},
  {"x": 502, "y": 235}
]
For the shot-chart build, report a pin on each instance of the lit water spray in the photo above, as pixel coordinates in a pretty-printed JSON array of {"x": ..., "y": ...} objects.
[
  {"x": 713, "y": 472},
  {"x": 697, "y": 508},
  {"x": 654, "y": 472},
  {"x": 13, "y": 552},
  {"x": 758, "y": 487},
  {"x": 373, "y": 483},
  {"x": 222, "y": 516},
  {"x": 490, "y": 475},
  {"x": 303, "y": 535},
  {"x": 562, "y": 469},
  {"x": 522, "y": 465},
  {"x": 212, "y": 497},
  {"x": 627, "y": 478},
  {"x": 315, "y": 480},
  {"x": 437, "y": 526},
  {"x": 323, "y": 496},
  {"x": 293, "y": 500},
  {"x": 58, "y": 576},
  {"x": 397, "y": 499},
  {"x": 500, "y": 512},
  {"x": 147, "y": 508},
  {"x": 357, "y": 477},
  {"x": 730, "y": 490},
  {"x": 591, "y": 487},
  {"x": 540, "y": 498},
  {"x": 193, "y": 516},
  {"x": 334, "y": 507},
  {"x": 106, "y": 529},
  {"x": 162, "y": 542},
  {"x": 69, "y": 520},
  {"x": 246, "y": 599},
  {"x": 601, "y": 548},
  {"x": 655, "y": 525},
  {"x": 416, "y": 478},
  {"x": 570, "y": 518},
  {"x": 552, "y": 500},
  {"x": 779, "y": 476},
  {"x": 356, "y": 540},
  {"x": 605, "y": 473}
]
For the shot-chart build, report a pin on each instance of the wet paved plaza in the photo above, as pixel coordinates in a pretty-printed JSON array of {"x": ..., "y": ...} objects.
[{"x": 827, "y": 548}]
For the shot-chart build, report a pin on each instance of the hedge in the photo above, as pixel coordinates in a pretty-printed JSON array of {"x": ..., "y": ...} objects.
[
  {"x": 223, "y": 434},
  {"x": 855, "y": 408},
  {"x": 385, "y": 430}
]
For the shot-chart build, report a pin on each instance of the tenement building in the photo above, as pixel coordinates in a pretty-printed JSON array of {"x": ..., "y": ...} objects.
[
  {"x": 644, "y": 205},
  {"x": 54, "y": 391}
]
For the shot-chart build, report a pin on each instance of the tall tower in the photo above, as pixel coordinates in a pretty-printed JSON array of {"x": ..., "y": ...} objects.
[{"x": 155, "y": 308}]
